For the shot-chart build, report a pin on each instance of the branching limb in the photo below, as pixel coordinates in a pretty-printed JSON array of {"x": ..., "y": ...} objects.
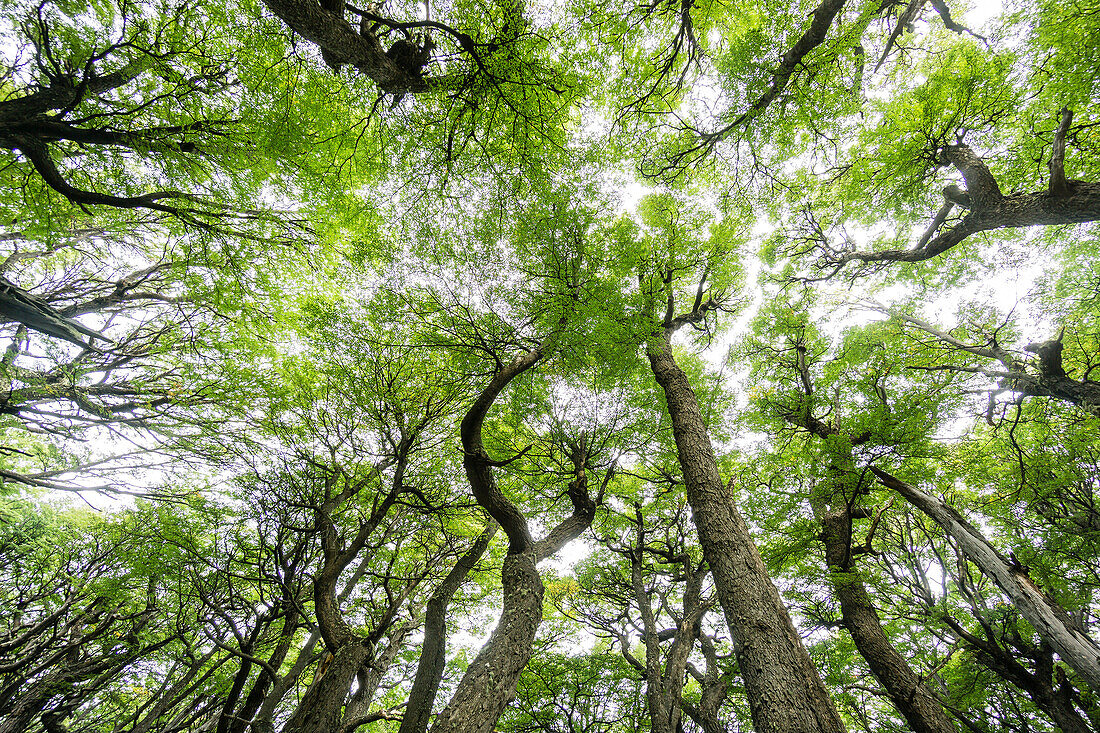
[
  {"x": 789, "y": 63},
  {"x": 904, "y": 23},
  {"x": 1063, "y": 202},
  {"x": 937, "y": 222},
  {"x": 949, "y": 22}
]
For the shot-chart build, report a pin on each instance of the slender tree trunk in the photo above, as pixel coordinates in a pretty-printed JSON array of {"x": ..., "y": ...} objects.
[
  {"x": 489, "y": 683},
  {"x": 664, "y": 678},
  {"x": 1049, "y": 620},
  {"x": 282, "y": 686},
  {"x": 370, "y": 677},
  {"x": 260, "y": 687},
  {"x": 322, "y": 708},
  {"x": 910, "y": 695},
  {"x": 785, "y": 693},
  {"x": 433, "y": 653}
]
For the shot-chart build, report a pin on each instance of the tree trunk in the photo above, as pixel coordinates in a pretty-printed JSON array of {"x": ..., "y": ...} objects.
[
  {"x": 489, "y": 683},
  {"x": 322, "y": 708},
  {"x": 433, "y": 653},
  {"x": 1049, "y": 620},
  {"x": 259, "y": 691},
  {"x": 910, "y": 695},
  {"x": 785, "y": 693}
]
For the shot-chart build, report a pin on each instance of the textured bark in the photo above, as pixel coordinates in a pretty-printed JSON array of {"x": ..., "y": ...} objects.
[
  {"x": 1049, "y": 620},
  {"x": 489, "y": 683},
  {"x": 31, "y": 703},
  {"x": 785, "y": 693},
  {"x": 344, "y": 45},
  {"x": 433, "y": 659},
  {"x": 322, "y": 707},
  {"x": 714, "y": 688},
  {"x": 1063, "y": 202},
  {"x": 370, "y": 677},
  {"x": 910, "y": 695}
]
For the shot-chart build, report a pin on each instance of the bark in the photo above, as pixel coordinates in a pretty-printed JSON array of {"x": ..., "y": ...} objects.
[
  {"x": 344, "y": 45},
  {"x": 665, "y": 682},
  {"x": 433, "y": 660},
  {"x": 32, "y": 702},
  {"x": 264, "y": 679},
  {"x": 489, "y": 683},
  {"x": 793, "y": 59},
  {"x": 322, "y": 707},
  {"x": 305, "y": 657},
  {"x": 1050, "y": 621},
  {"x": 714, "y": 688},
  {"x": 244, "y": 671},
  {"x": 370, "y": 677},
  {"x": 1018, "y": 210},
  {"x": 910, "y": 695},
  {"x": 1064, "y": 201},
  {"x": 478, "y": 465},
  {"x": 283, "y": 685},
  {"x": 65, "y": 94},
  {"x": 785, "y": 693},
  {"x": 27, "y": 125}
]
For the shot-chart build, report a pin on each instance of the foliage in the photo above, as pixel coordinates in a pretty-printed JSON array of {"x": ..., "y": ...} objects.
[{"x": 294, "y": 320}]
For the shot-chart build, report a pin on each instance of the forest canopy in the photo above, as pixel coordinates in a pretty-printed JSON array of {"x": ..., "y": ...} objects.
[{"x": 584, "y": 367}]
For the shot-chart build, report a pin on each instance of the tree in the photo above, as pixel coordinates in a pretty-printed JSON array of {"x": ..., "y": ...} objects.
[{"x": 411, "y": 320}]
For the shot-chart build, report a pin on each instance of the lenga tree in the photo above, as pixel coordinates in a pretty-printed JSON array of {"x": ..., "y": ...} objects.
[{"x": 411, "y": 366}]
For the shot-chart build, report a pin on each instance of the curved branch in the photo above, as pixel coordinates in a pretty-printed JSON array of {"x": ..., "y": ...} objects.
[
  {"x": 1064, "y": 202},
  {"x": 476, "y": 460},
  {"x": 39, "y": 156},
  {"x": 789, "y": 63},
  {"x": 344, "y": 45}
]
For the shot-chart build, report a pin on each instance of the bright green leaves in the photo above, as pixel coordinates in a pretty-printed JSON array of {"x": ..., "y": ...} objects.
[
  {"x": 964, "y": 92},
  {"x": 681, "y": 271}
]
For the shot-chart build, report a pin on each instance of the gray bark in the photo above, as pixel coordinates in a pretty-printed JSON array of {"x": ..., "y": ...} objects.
[
  {"x": 785, "y": 693},
  {"x": 1049, "y": 620}
]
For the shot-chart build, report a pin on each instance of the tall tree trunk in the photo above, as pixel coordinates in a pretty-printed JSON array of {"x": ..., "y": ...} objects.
[
  {"x": 489, "y": 683},
  {"x": 910, "y": 695},
  {"x": 433, "y": 659},
  {"x": 1049, "y": 620},
  {"x": 322, "y": 708},
  {"x": 785, "y": 693}
]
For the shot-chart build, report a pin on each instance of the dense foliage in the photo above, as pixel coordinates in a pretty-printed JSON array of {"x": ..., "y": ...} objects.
[{"x": 587, "y": 367}]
